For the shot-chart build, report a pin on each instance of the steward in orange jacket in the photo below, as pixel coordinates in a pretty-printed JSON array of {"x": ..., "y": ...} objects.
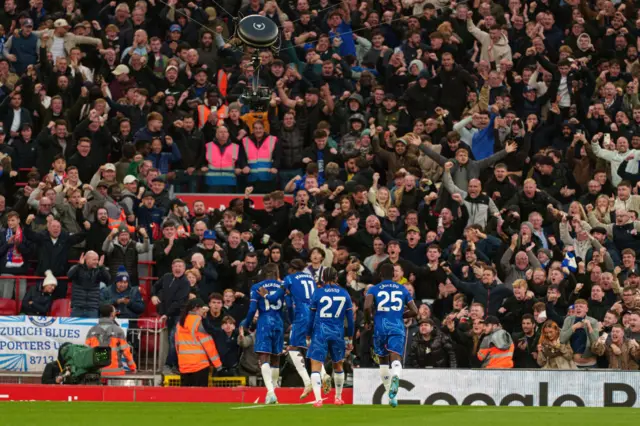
[
  {"x": 496, "y": 349},
  {"x": 109, "y": 333},
  {"x": 195, "y": 347}
]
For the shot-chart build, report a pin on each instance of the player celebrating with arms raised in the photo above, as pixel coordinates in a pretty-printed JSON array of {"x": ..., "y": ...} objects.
[
  {"x": 298, "y": 289},
  {"x": 270, "y": 328},
  {"x": 390, "y": 299},
  {"x": 331, "y": 304}
]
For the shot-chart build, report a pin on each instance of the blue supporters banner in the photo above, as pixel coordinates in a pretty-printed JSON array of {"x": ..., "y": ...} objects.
[{"x": 28, "y": 343}]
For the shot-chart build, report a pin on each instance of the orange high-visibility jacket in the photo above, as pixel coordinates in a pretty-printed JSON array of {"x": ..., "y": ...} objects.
[
  {"x": 195, "y": 347},
  {"x": 108, "y": 333},
  {"x": 496, "y": 350}
]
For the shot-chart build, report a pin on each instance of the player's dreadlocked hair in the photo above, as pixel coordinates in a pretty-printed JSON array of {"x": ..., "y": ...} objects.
[
  {"x": 270, "y": 271},
  {"x": 297, "y": 265},
  {"x": 330, "y": 275}
]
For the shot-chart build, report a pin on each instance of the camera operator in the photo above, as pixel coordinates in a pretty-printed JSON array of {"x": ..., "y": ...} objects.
[{"x": 54, "y": 373}]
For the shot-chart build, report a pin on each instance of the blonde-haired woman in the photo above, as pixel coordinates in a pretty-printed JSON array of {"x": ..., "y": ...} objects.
[
  {"x": 379, "y": 197},
  {"x": 552, "y": 354},
  {"x": 602, "y": 210}
]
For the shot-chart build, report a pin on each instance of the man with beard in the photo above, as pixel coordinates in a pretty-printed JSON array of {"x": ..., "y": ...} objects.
[
  {"x": 247, "y": 273},
  {"x": 487, "y": 292},
  {"x": 98, "y": 232},
  {"x": 121, "y": 250},
  {"x": 199, "y": 213},
  {"x": 312, "y": 111},
  {"x": 526, "y": 344},
  {"x": 500, "y": 188},
  {"x": 455, "y": 82}
]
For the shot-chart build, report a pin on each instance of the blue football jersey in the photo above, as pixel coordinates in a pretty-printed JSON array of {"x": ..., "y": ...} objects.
[
  {"x": 390, "y": 299},
  {"x": 301, "y": 287},
  {"x": 270, "y": 311},
  {"x": 330, "y": 305}
]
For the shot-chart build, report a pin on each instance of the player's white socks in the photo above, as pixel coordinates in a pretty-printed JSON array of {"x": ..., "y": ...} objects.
[
  {"x": 316, "y": 383},
  {"x": 298, "y": 362},
  {"x": 385, "y": 376},
  {"x": 396, "y": 369},
  {"x": 275, "y": 375},
  {"x": 266, "y": 376},
  {"x": 323, "y": 372},
  {"x": 338, "y": 378}
]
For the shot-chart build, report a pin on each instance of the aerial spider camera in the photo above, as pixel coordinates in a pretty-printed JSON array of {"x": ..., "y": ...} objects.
[{"x": 260, "y": 33}]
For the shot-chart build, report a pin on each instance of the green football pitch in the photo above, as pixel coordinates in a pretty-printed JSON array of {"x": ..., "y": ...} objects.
[{"x": 174, "y": 414}]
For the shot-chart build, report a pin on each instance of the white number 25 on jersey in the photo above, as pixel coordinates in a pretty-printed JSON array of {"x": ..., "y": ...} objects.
[{"x": 394, "y": 298}]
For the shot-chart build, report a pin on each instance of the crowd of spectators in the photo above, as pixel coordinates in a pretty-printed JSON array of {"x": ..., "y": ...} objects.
[{"x": 489, "y": 150}]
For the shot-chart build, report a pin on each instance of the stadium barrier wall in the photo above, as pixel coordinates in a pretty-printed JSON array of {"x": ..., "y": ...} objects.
[
  {"x": 214, "y": 201},
  {"x": 241, "y": 395},
  {"x": 537, "y": 388}
]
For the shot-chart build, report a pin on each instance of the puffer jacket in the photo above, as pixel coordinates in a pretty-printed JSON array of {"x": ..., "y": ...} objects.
[
  {"x": 437, "y": 352},
  {"x": 85, "y": 293},
  {"x": 292, "y": 140}
]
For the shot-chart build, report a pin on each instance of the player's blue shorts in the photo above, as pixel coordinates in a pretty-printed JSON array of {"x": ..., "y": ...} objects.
[
  {"x": 385, "y": 343},
  {"x": 298, "y": 336},
  {"x": 269, "y": 339},
  {"x": 320, "y": 345}
]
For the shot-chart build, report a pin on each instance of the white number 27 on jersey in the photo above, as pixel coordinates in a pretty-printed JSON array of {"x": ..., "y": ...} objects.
[
  {"x": 329, "y": 302},
  {"x": 395, "y": 298}
]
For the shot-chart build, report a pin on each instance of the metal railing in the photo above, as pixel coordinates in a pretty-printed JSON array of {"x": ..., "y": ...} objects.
[{"x": 148, "y": 337}]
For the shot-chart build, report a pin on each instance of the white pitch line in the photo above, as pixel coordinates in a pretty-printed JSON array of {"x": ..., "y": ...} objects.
[
  {"x": 248, "y": 407},
  {"x": 4, "y": 396}
]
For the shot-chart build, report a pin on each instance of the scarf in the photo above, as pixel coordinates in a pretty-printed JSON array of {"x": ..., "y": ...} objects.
[{"x": 14, "y": 257}]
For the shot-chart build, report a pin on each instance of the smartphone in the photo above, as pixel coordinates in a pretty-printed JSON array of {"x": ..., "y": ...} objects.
[
  {"x": 605, "y": 335},
  {"x": 607, "y": 139}
]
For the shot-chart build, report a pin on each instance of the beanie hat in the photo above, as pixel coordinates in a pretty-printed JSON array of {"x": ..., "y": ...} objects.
[
  {"x": 49, "y": 279},
  {"x": 365, "y": 132},
  {"x": 122, "y": 274},
  {"x": 235, "y": 105}
]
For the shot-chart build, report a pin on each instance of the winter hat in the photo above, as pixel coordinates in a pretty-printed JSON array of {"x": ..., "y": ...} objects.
[
  {"x": 235, "y": 105},
  {"x": 122, "y": 275},
  {"x": 547, "y": 252},
  {"x": 49, "y": 279},
  {"x": 365, "y": 132},
  {"x": 209, "y": 235},
  {"x": 425, "y": 73}
]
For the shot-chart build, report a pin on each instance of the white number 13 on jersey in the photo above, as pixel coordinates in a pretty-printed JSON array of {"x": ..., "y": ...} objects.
[{"x": 395, "y": 298}]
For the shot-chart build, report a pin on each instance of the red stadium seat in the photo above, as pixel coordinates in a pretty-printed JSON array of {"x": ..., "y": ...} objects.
[
  {"x": 148, "y": 339},
  {"x": 61, "y": 308},
  {"x": 8, "y": 307}
]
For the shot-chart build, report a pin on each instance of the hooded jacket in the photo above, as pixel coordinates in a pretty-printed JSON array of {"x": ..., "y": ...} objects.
[{"x": 496, "y": 350}]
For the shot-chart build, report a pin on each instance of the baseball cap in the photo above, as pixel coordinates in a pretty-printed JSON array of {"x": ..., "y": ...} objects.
[
  {"x": 599, "y": 230},
  {"x": 120, "y": 69},
  {"x": 60, "y": 23},
  {"x": 159, "y": 179},
  {"x": 528, "y": 89},
  {"x": 413, "y": 229},
  {"x": 209, "y": 235},
  {"x": 129, "y": 179},
  {"x": 110, "y": 166},
  {"x": 147, "y": 194},
  {"x": 172, "y": 67},
  {"x": 175, "y": 27},
  {"x": 103, "y": 183},
  {"x": 492, "y": 320},
  {"x": 27, "y": 23}
]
